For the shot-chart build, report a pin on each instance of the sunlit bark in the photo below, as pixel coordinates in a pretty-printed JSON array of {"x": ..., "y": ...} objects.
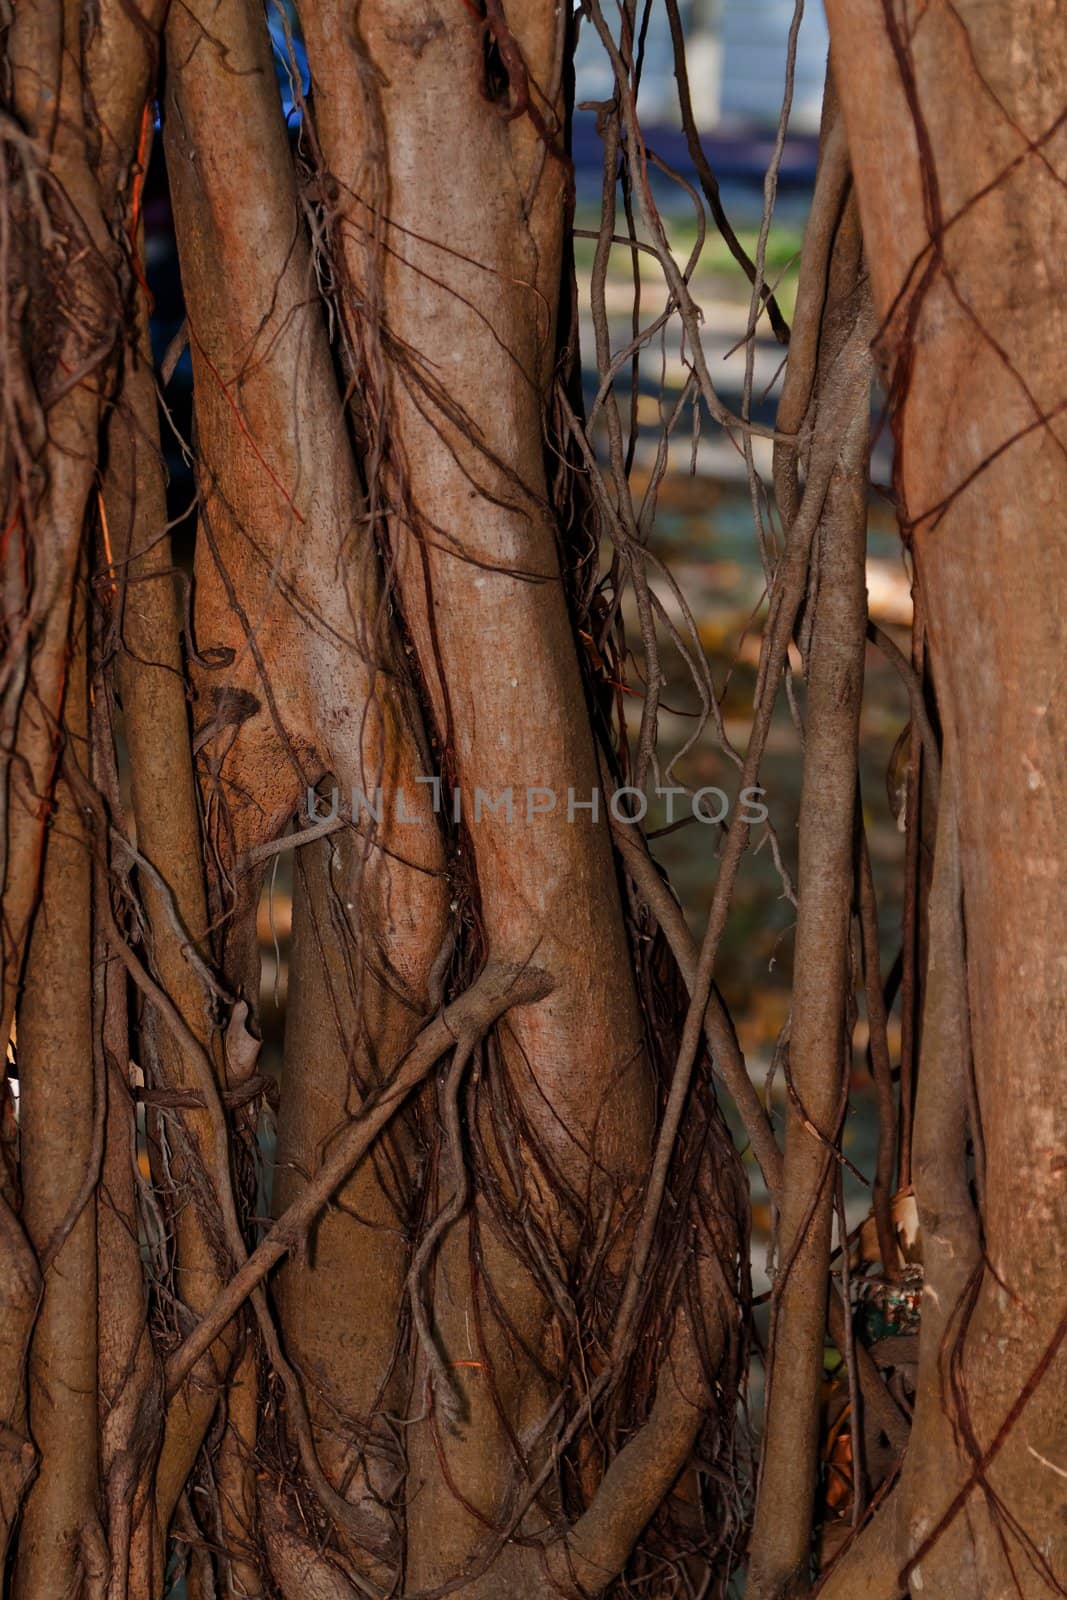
[
  {"x": 956, "y": 132},
  {"x": 490, "y": 1337}
]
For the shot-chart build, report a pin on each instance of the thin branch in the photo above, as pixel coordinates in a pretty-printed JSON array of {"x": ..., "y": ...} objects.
[{"x": 493, "y": 993}]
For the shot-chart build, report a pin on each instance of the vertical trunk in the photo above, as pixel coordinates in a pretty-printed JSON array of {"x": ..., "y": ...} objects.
[
  {"x": 58, "y": 256},
  {"x": 80, "y": 100},
  {"x": 305, "y": 679},
  {"x": 60, "y": 1548},
  {"x": 341, "y": 1299},
  {"x": 463, "y": 257},
  {"x": 781, "y": 1539},
  {"x": 129, "y": 1378},
  {"x": 955, "y": 130},
  {"x": 79, "y": 95},
  {"x": 300, "y": 679},
  {"x": 442, "y": 139},
  {"x": 19, "y": 1294},
  {"x": 150, "y": 681}
]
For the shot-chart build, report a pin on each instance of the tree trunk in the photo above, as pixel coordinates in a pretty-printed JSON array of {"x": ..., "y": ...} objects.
[
  {"x": 455, "y": 1298},
  {"x": 954, "y": 128}
]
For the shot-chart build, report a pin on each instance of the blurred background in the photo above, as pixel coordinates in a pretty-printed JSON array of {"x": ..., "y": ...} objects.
[{"x": 736, "y": 50}]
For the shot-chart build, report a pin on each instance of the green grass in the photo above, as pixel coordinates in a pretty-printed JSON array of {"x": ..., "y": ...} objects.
[{"x": 716, "y": 272}]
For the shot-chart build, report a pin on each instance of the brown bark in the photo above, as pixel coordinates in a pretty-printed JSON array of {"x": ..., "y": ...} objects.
[
  {"x": 19, "y": 1295},
  {"x": 128, "y": 1371},
  {"x": 306, "y": 679},
  {"x": 315, "y": 690},
  {"x": 781, "y": 1538},
  {"x": 56, "y": 236},
  {"x": 150, "y": 679},
  {"x": 339, "y": 1296},
  {"x": 467, "y": 273},
  {"x": 493, "y": 993},
  {"x": 498, "y": 1305},
  {"x": 61, "y": 1548},
  {"x": 242, "y": 1568},
  {"x": 63, "y": 303},
  {"x": 460, "y": 260},
  {"x": 79, "y": 104},
  {"x": 954, "y": 130}
]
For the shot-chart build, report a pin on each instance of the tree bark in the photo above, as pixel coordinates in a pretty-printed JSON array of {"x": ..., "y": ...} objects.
[
  {"x": 781, "y": 1538},
  {"x": 304, "y": 678},
  {"x": 954, "y": 128},
  {"x": 490, "y": 1341},
  {"x": 61, "y": 1546},
  {"x": 460, "y": 261}
]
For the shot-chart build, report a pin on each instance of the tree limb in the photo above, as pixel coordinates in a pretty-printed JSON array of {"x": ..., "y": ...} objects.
[{"x": 493, "y": 993}]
